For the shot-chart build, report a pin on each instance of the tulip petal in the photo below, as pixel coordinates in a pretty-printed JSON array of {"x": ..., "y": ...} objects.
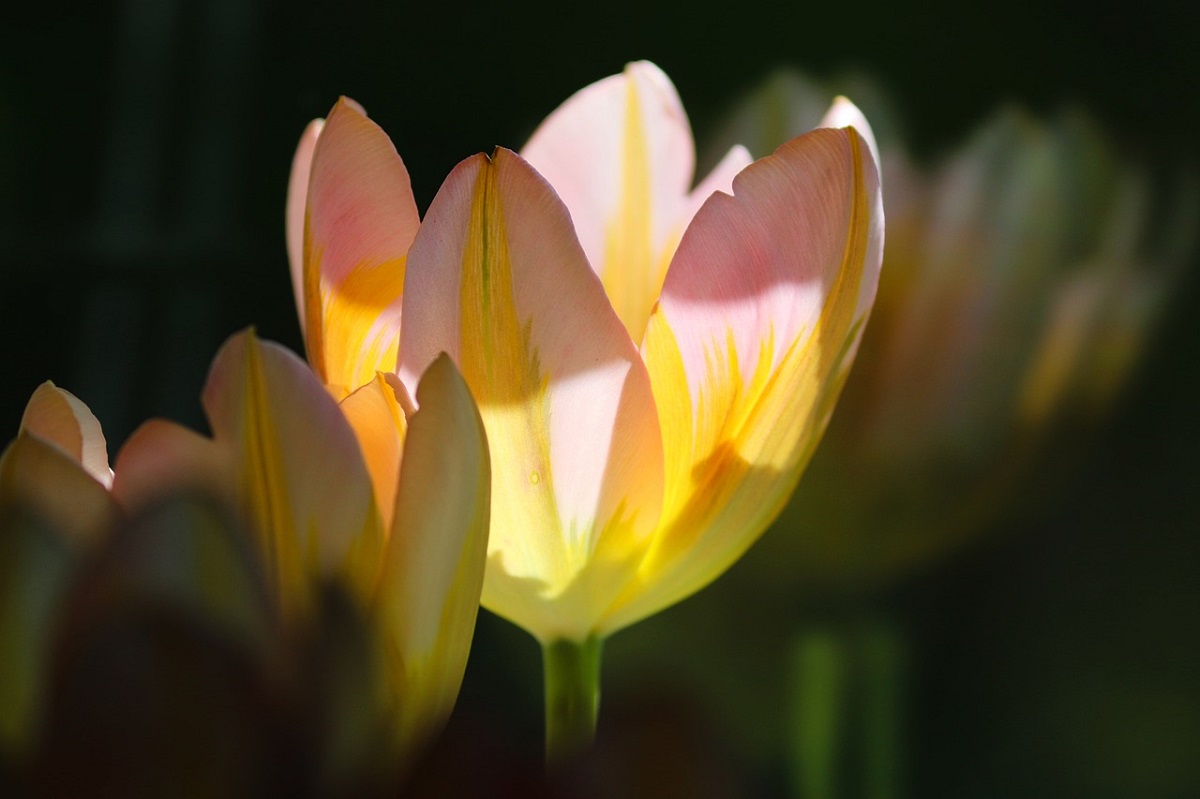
[
  {"x": 760, "y": 317},
  {"x": 620, "y": 155},
  {"x": 299, "y": 471},
  {"x": 60, "y": 418},
  {"x": 497, "y": 279},
  {"x": 376, "y": 412},
  {"x": 162, "y": 459},
  {"x": 361, "y": 218},
  {"x": 433, "y": 571},
  {"x": 38, "y": 475},
  {"x": 844, "y": 114},
  {"x": 297, "y": 202},
  {"x": 720, "y": 179}
]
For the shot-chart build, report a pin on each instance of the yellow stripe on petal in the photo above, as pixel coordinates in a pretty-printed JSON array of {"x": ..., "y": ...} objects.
[
  {"x": 632, "y": 272},
  {"x": 746, "y": 367},
  {"x": 498, "y": 281},
  {"x": 299, "y": 474}
]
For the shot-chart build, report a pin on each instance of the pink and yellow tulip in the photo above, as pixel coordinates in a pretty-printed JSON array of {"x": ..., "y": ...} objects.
[
  {"x": 326, "y": 504},
  {"x": 654, "y": 364},
  {"x": 389, "y": 501}
]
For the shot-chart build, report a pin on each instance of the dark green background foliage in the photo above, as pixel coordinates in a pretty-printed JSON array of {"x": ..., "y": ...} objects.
[{"x": 144, "y": 152}]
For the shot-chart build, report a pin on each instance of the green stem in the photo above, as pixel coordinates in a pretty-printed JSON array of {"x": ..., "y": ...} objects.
[
  {"x": 819, "y": 685},
  {"x": 572, "y": 674}
]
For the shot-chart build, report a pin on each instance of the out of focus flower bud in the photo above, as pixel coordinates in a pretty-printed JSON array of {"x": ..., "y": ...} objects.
[{"x": 1023, "y": 274}]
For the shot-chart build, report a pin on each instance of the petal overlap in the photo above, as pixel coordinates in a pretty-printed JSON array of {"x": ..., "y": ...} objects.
[{"x": 654, "y": 362}]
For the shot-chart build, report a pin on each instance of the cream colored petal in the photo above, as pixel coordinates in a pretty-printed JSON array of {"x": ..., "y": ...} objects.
[{"x": 60, "y": 418}]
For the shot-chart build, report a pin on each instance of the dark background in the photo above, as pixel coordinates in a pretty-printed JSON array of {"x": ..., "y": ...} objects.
[{"x": 144, "y": 152}]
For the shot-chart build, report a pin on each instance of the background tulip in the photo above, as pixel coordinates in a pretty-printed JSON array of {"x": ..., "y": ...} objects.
[{"x": 1024, "y": 274}]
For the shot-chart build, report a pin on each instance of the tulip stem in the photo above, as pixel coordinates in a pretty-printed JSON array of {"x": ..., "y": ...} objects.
[{"x": 572, "y": 674}]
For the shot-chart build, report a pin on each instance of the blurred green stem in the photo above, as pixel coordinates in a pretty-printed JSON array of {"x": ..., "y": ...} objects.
[
  {"x": 846, "y": 711},
  {"x": 817, "y": 710},
  {"x": 572, "y": 674},
  {"x": 883, "y": 675}
]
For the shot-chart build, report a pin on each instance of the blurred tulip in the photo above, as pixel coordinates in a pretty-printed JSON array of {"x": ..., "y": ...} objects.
[
  {"x": 54, "y": 507},
  {"x": 654, "y": 365},
  {"x": 1023, "y": 276},
  {"x": 286, "y": 457}
]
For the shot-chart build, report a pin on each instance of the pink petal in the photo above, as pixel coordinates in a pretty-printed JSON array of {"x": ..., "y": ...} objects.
[
  {"x": 844, "y": 114},
  {"x": 760, "y": 317},
  {"x": 498, "y": 281},
  {"x": 620, "y": 155},
  {"x": 361, "y": 219}
]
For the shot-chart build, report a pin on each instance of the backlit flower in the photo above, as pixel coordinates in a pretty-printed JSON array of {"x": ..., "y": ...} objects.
[{"x": 654, "y": 365}]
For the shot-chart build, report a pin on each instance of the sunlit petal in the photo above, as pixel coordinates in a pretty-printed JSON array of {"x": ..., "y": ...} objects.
[
  {"x": 620, "y": 155},
  {"x": 376, "y": 412},
  {"x": 497, "y": 279},
  {"x": 747, "y": 350},
  {"x": 360, "y": 221},
  {"x": 59, "y": 417}
]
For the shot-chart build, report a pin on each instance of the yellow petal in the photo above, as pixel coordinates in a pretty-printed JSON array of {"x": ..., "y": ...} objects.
[
  {"x": 429, "y": 591},
  {"x": 377, "y": 412},
  {"x": 297, "y": 467}
]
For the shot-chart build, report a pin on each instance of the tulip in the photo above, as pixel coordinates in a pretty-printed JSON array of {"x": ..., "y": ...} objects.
[
  {"x": 654, "y": 365},
  {"x": 1024, "y": 272},
  {"x": 401, "y": 522},
  {"x": 54, "y": 505},
  {"x": 1024, "y": 276}
]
